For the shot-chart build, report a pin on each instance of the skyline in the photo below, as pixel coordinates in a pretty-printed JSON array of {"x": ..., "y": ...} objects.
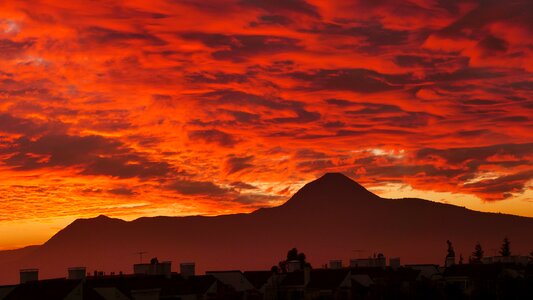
[{"x": 174, "y": 108}]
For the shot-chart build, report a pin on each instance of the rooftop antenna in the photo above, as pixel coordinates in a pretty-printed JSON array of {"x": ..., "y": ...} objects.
[{"x": 141, "y": 255}]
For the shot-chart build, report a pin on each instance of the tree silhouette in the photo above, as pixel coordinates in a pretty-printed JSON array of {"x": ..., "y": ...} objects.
[
  {"x": 275, "y": 269},
  {"x": 451, "y": 252},
  {"x": 293, "y": 255},
  {"x": 478, "y": 253},
  {"x": 505, "y": 250}
]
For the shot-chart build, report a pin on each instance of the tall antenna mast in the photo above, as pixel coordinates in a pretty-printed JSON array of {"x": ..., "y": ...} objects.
[{"x": 141, "y": 255}]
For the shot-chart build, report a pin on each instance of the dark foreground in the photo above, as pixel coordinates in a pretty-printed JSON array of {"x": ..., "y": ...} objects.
[{"x": 468, "y": 281}]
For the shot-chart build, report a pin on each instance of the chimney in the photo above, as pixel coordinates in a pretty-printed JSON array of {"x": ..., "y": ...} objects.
[
  {"x": 77, "y": 273},
  {"x": 27, "y": 275},
  {"x": 187, "y": 269}
]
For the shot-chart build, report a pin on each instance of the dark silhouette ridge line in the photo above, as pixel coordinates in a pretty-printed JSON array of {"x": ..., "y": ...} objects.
[
  {"x": 330, "y": 184},
  {"x": 327, "y": 218}
]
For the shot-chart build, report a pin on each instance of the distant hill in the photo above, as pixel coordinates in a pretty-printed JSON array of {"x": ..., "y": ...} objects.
[{"x": 328, "y": 218}]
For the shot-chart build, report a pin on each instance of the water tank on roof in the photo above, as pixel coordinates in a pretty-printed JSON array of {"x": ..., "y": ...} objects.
[
  {"x": 76, "y": 273},
  {"x": 27, "y": 275},
  {"x": 187, "y": 269}
]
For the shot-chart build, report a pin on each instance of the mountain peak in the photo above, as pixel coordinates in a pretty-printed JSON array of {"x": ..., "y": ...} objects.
[{"x": 331, "y": 189}]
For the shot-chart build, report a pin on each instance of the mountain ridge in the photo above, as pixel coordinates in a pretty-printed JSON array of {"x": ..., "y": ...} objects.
[{"x": 326, "y": 219}]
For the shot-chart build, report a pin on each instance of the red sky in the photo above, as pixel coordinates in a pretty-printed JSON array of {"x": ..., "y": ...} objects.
[{"x": 142, "y": 108}]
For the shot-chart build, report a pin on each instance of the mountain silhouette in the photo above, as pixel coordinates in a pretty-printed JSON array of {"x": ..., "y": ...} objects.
[{"x": 328, "y": 218}]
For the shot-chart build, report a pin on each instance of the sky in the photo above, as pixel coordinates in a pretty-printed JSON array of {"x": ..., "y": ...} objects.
[{"x": 183, "y": 107}]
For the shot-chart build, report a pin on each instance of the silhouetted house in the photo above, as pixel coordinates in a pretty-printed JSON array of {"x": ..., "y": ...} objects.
[
  {"x": 377, "y": 283},
  {"x": 159, "y": 287},
  {"x": 237, "y": 281},
  {"x": 122, "y": 287},
  {"x": 427, "y": 271},
  {"x": 329, "y": 284},
  {"x": 316, "y": 284},
  {"x": 514, "y": 259},
  {"x": 292, "y": 286},
  {"x": 487, "y": 280},
  {"x": 47, "y": 289},
  {"x": 197, "y": 288},
  {"x": 266, "y": 283},
  {"x": 379, "y": 261}
]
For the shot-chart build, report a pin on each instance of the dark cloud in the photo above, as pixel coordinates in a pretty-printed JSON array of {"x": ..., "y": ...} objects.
[
  {"x": 126, "y": 166},
  {"x": 266, "y": 20},
  {"x": 315, "y": 165},
  {"x": 302, "y": 116},
  {"x": 356, "y": 80},
  {"x": 372, "y": 33},
  {"x": 467, "y": 73},
  {"x": 10, "y": 49},
  {"x": 94, "y": 155},
  {"x": 206, "y": 188},
  {"x": 399, "y": 170},
  {"x": 280, "y": 6},
  {"x": 240, "y": 47},
  {"x": 122, "y": 191},
  {"x": 243, "y": 185},
  {"x": 460, "y": 155},
  {"x": 217, "y": 77},
  {"x": 103, "y": 36},
  {"x": 502, "y": 187},
  {"x": 407, "y": 119},
  {"x": 491, "y": 45},
  {"x": 309, "y": 154},
  {"x": 243, "y": 99},
  {"x": 238, "y": 163},
  {"x": 429, "y": 61},
  {"x": 214, "y": 136},
  {"x": 340, "y": 102},
  {"x": 28, "y": 127},
  {"x": 334, "y": 124},
  {"x": 375, "y": 108},
  {"x": 243, "y": 117},
  {"x": 488, "y": 12}
]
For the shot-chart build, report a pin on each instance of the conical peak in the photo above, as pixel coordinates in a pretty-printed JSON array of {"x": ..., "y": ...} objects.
[
  {"x": 331, "y": 189},
  {"x": 333, "y": 182}
]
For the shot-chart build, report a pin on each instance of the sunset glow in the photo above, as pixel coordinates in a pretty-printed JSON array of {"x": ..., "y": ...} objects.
[{"x": 143, "y": 108}]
